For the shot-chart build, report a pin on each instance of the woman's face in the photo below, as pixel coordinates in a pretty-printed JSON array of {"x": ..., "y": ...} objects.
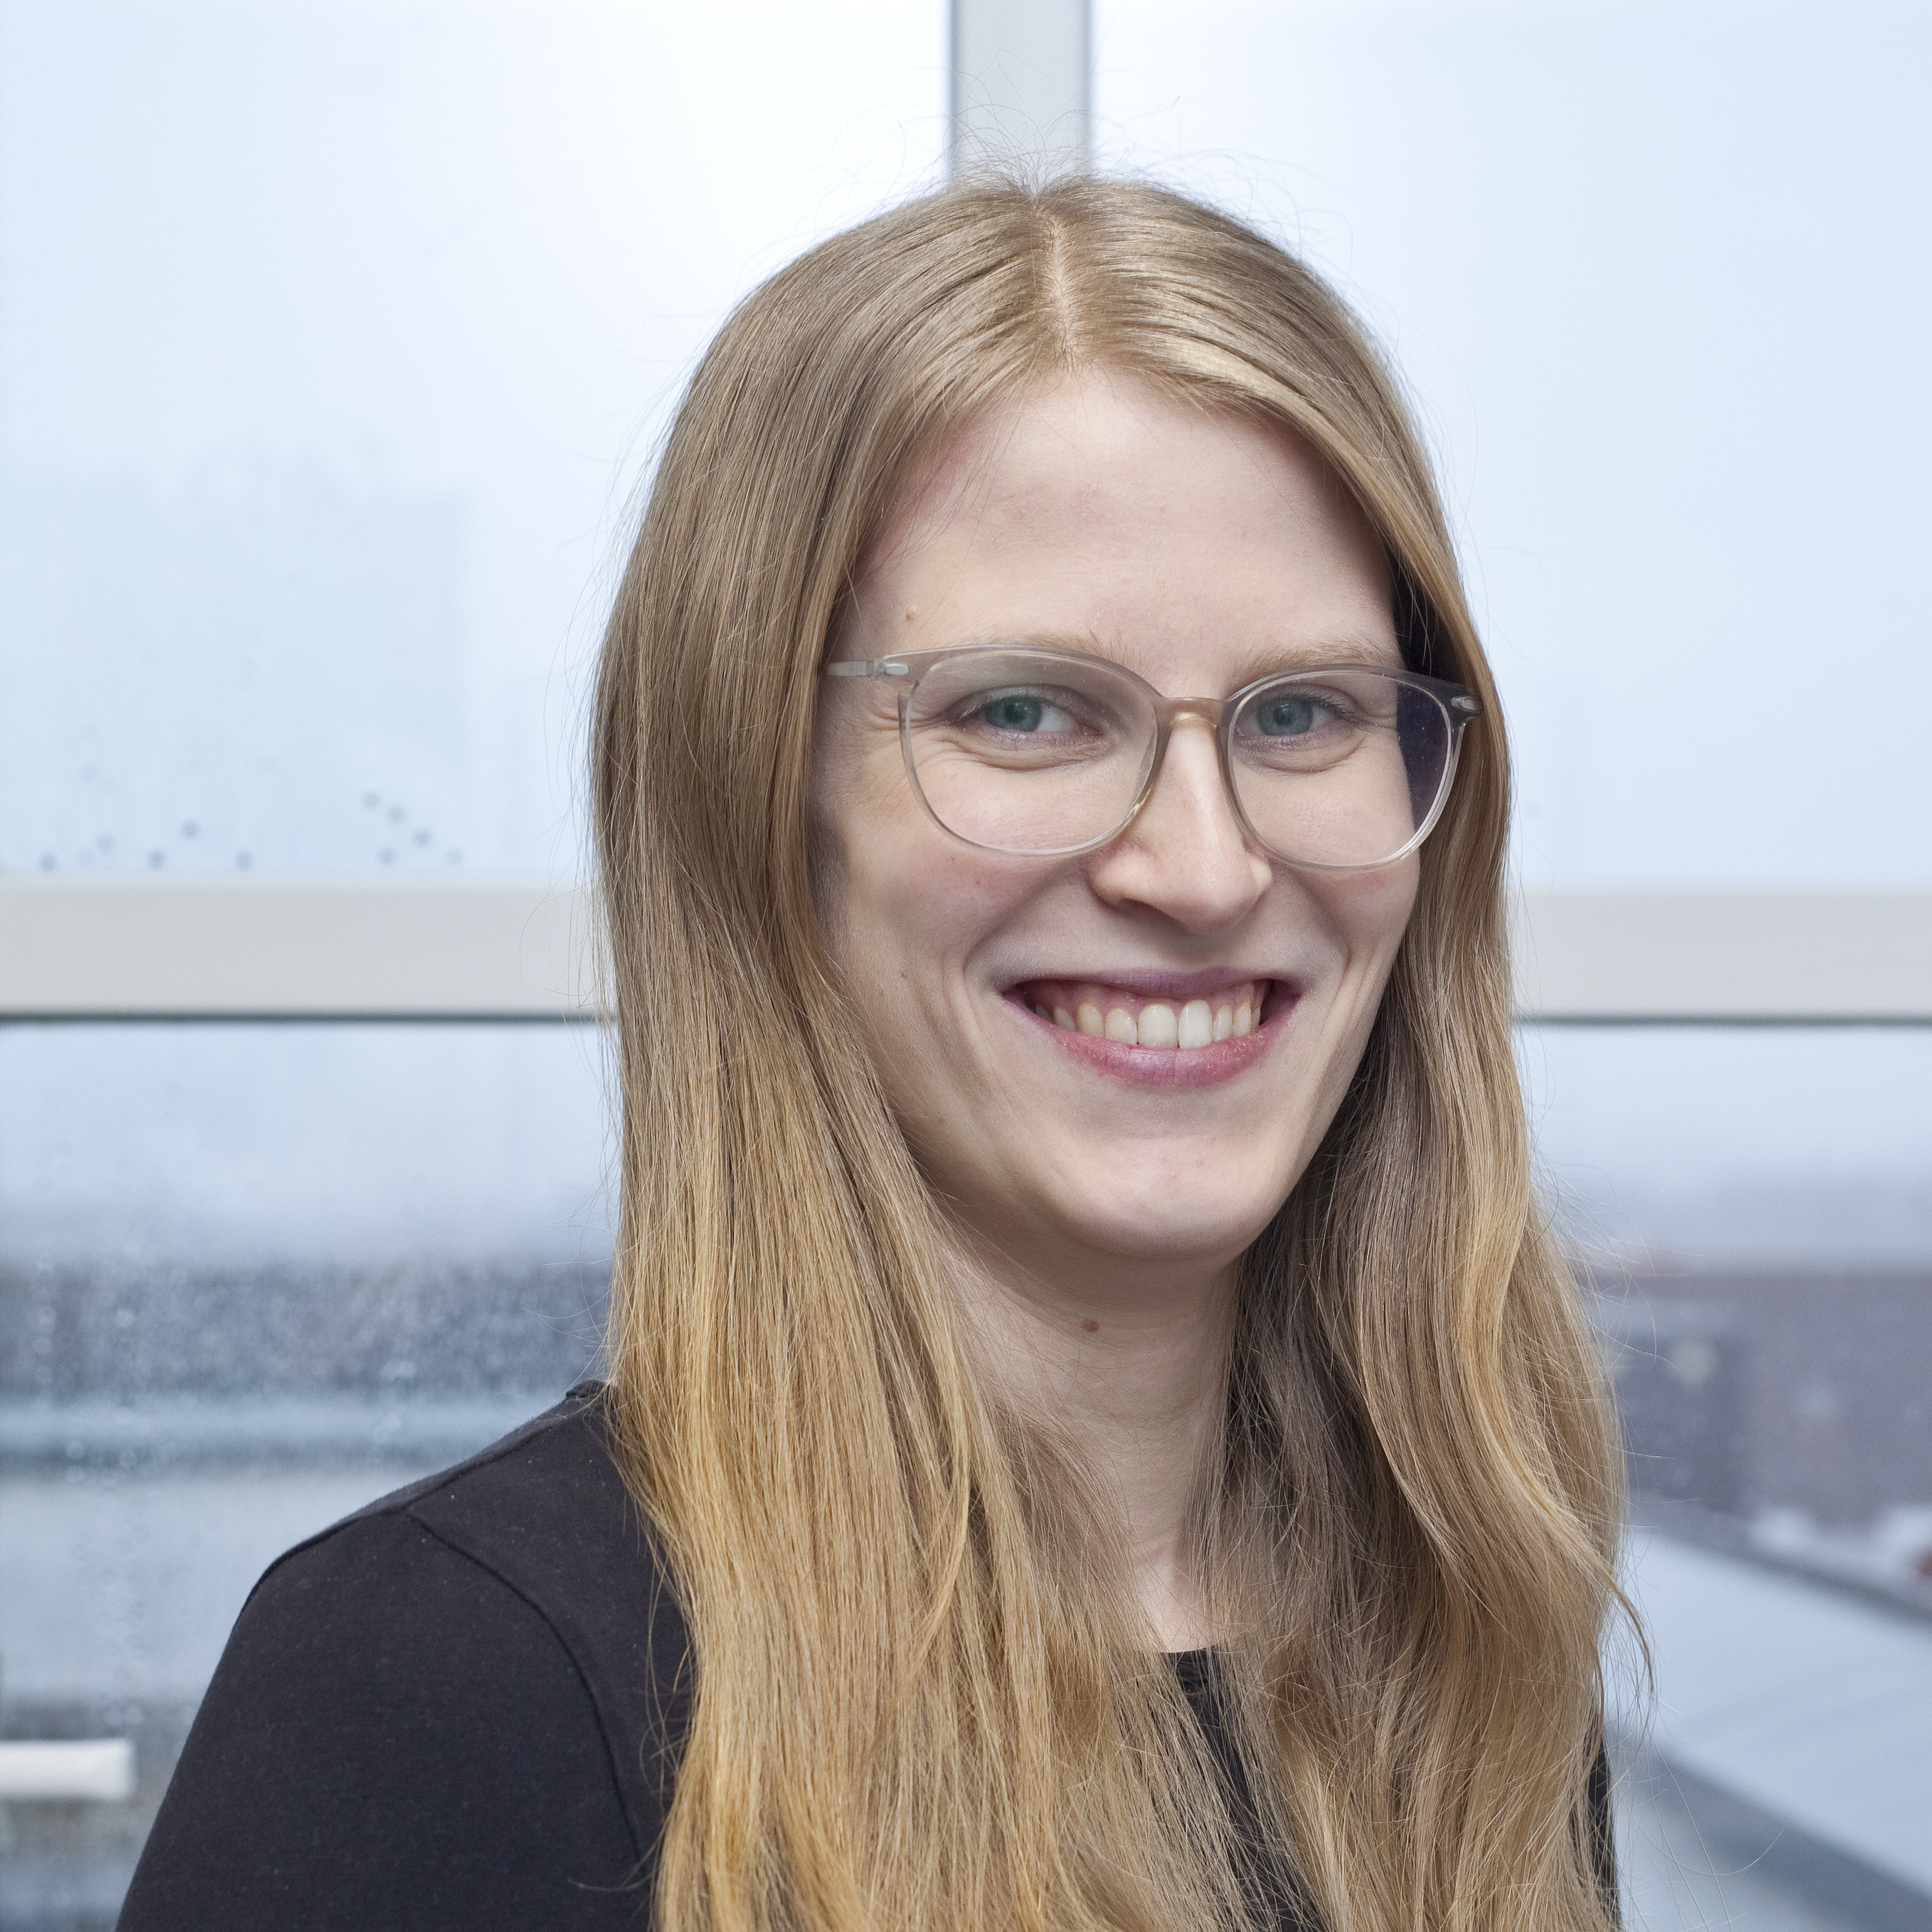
[{"x": 1201, "y": 551}]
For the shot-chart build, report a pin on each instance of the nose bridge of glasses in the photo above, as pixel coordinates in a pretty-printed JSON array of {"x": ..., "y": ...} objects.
[
  {"x": 1172, "y": 711},
  {"x": 1205, "y": 713}
]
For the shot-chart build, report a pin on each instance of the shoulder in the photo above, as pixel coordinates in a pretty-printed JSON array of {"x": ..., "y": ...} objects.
[
  {"x": 461, "y": 1704},
  {"x": 542, "y": 1517},
  {"x": 545, "y": 1513}
]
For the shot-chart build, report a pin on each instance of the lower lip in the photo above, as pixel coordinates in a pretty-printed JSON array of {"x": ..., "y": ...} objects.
[{"x": 1167, "y": 1067}]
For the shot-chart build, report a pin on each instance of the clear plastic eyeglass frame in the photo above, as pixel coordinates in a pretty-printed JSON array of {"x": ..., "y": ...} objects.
[{"x": 1458, "y": 706}]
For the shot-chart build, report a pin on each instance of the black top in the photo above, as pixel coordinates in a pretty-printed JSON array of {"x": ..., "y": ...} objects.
[{"x": 446, "y": 1711}]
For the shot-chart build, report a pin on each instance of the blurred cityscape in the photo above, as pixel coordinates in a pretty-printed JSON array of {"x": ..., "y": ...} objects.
[
  {"x": 1783, "y": 1416},
  {"x": 165, "y": 1430}
]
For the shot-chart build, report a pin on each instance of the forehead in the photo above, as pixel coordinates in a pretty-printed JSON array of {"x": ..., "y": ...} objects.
[{"x": 1100, "y": 513}]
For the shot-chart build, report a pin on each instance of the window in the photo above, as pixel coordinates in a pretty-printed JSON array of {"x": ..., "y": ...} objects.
[{"x": 335, "y": 342}]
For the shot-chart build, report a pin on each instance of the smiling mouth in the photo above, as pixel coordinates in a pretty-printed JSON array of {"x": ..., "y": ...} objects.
[{"x": 1134, "y": 1019}]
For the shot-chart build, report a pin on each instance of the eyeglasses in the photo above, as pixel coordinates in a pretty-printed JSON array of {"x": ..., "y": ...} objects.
[{"x": 1339, "y": 767}]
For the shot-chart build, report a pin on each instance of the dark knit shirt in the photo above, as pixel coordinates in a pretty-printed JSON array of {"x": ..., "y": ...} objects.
[{"x": 447, "y": 1712}]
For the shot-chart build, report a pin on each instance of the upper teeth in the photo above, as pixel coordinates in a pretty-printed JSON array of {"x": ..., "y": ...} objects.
[{"x": 1131, "y": 1021}]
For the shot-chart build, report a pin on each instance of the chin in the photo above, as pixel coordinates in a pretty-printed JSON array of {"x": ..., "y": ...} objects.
[{"x": 1162, "y": 1226}]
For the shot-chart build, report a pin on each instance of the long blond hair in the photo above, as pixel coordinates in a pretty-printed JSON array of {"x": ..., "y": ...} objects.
[{"x": 921, "y": 1704}]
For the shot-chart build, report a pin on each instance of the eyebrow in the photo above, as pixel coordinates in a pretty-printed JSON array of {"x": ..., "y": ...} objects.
[
  {"x": 1262, "y": 661},
  {"x": 1341, "y": 650}
]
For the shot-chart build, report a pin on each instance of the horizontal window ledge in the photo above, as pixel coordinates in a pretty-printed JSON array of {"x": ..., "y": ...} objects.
[
  {"x": 1723, "y": 957},
  {"x": 291, "y": 948},
  {"x": 64, "y": 1769}
]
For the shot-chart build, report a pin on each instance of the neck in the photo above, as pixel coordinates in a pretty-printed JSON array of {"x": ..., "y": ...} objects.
[{"x": 1134, "y": 1379}]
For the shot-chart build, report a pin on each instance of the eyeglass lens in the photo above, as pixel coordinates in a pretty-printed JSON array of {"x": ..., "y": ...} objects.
[{"x": 1030, "y": 752}]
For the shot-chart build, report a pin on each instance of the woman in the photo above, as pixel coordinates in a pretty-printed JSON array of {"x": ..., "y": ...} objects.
[{"x": 1105, "y": 1438}]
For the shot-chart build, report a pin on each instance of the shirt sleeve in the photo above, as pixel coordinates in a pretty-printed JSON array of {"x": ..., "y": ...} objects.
[{"x": 394, "y": 1739}]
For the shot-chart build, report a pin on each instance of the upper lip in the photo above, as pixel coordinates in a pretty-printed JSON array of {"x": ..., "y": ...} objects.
[{"x": 1149, "y": 984}]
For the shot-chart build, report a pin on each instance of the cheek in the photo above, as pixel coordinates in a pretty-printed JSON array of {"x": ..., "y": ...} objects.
[
  {"x": 1369, "y": 912},
  {"x": 1366, "y": 913},
  {"x": 910, "y": 919},
  {"x": 897, "y": 909},
  {"x": 855, "y": 800},
  {"x": 915, "y": 907}
]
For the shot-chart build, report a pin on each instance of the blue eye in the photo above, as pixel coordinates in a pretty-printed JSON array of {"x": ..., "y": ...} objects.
[
  {"x": 1015, "y": 712},
  {"x": 1021, "y": 714},
  {"x": 1292, "y": 716}
]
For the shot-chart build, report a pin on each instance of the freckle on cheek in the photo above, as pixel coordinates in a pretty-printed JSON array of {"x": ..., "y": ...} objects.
[{"x": 1092, "y": 1327}]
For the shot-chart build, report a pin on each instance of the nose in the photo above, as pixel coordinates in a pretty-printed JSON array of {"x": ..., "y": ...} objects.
[{"x": 1185, "y": 855}]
